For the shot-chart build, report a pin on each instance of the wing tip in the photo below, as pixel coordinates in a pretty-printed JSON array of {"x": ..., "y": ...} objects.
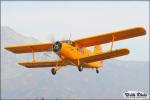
[
  {"x": 126, "y": 50},
  {"x": 10, "y": 50},
  {"x": 142, "y": 30},
  {"x": 7, "y": 48},
  {"x": 22, "y": 64}
]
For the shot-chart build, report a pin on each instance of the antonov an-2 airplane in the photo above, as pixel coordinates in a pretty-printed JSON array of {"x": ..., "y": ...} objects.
[{"x": 75, "y": 52}]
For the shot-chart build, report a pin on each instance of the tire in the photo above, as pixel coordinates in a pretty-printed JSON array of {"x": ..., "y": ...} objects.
[
  {"x": 80, "y": 68},
  {"x": 53, "y": 71},
  {"x": 97, "y": 71}
]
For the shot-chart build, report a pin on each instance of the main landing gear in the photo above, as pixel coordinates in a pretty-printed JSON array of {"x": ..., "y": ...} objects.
[
  {"x": 97, "y": 71},
  {"x": 53, "y": 70},
  {"x": 80, "y": 68}
]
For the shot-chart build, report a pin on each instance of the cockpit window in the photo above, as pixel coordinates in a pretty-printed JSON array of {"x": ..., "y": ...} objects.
[{"x": 67, "y": 41}]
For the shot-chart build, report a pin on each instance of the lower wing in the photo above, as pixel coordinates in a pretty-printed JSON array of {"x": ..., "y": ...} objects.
[
  {"x": 104, "y": 56},
  {"x": 44, "y": 63},
  {"x": 93, "y": 58}
]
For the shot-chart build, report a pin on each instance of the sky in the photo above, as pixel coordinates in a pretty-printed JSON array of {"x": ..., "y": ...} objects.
[{"x": 56, "y": 20}]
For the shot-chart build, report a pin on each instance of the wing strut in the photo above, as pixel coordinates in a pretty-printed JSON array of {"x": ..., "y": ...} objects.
[
  {"x": 113, "y": 39},
  {"x": 78, "y": 61},
  {"x": 58, "y": 67},
  {"x": 33, "y": 55}
]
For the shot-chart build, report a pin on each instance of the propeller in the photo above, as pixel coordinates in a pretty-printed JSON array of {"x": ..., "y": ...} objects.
[{"x": 52, "y": 39}]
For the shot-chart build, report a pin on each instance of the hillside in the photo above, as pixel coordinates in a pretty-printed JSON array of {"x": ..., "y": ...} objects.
[{"x": 114, "y": 78}]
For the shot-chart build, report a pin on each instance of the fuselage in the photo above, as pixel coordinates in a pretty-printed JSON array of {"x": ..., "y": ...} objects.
[{"x": 70, "y": 53}]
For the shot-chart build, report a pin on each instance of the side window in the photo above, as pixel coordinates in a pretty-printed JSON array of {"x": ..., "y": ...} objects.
[{"x": 81, "y": 51}]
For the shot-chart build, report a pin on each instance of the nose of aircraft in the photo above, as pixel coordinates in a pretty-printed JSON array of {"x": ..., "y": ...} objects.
[{"x": 57, "y": 46}]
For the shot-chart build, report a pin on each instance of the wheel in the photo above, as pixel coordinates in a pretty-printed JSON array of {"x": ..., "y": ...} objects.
[
  {"x": 80, "y": 68},
  {"x": 97, "y": 71},
  {"x": 53, "y": 71}
]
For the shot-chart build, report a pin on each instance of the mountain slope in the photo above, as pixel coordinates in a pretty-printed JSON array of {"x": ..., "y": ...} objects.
[{"x": 10, "y": 37}]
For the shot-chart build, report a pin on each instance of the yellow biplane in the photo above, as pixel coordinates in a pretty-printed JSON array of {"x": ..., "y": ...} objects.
[{"x": 75, "y": 52}]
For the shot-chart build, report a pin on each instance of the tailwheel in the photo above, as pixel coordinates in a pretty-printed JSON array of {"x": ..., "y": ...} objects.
[
  {"x": 53, "y": 70},
  {"x": 80, "y": 68},
  {"x": 97, "y": 71}
]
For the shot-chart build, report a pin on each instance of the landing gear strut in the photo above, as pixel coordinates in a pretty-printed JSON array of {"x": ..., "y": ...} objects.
[
  {"x": 80, "y": 68},
  {"x": 53, "y": 70},
  {"x": 97, "y": 71}
]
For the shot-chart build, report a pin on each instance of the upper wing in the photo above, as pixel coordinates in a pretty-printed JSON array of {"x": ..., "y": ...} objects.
[
  {"x": 44, "y": 63},
  {"x": 108, "y": 37},
  {"x": 30, "y": 48},
  {"x": 104, "y": 56}
]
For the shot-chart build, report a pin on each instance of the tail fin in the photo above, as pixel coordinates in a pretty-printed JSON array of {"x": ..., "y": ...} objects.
[{"x": 97, "y": 49}]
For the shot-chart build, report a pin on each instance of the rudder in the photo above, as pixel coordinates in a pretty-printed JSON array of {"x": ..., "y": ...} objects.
[{"x": 98, "y": 50}]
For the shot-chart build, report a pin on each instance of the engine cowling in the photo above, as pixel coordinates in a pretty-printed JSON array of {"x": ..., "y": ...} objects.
[{"x": 57, "y": 46}]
